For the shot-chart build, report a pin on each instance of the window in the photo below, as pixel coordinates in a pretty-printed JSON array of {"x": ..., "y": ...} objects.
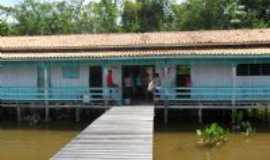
[
  {"x": 266, "y": 69},
  {"x": 253, "y": 70},
  {"x": 243, "y": 70},
  {"x": 71, "y": 72}
]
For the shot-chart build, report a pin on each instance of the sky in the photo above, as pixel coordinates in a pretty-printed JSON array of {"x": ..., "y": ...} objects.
[{"x": 12, "y": 2}]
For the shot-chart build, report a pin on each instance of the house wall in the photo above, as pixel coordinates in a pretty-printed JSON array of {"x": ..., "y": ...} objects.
[
  {"x": 26, "y": 76},
  {"x": 211, "y": 75},
  {"x": 58, "y": 80},
  {"x": 202, "y": 75},
  {"x": 18, "y": 76},
  {"x": 220, "y": 75}
]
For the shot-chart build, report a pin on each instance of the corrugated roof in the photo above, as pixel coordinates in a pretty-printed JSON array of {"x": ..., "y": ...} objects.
[
  {"x": 148, "y": 53},
  {"x": 219, "y": 43},
  {"x": 220, "y": 37}
]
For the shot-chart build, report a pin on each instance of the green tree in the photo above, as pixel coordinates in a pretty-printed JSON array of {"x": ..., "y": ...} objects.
[
  {"x": 85, "y": 22},
  {"x": 33, "y": 17},
  {"x": 131, "y": 16},
  {"x": 154, "y": 14},
  {"x": 258, "y": 12},
  {"x": 4, "y": 28},
  {"x": 210, "y": 14},
  {"x": 105, "y": 14}
]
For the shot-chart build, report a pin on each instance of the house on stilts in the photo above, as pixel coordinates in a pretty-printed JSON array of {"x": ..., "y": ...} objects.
[{"x": 196, "y": 68}]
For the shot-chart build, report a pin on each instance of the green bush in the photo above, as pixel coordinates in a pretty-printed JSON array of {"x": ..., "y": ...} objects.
[{"x": 212, "y": 135}]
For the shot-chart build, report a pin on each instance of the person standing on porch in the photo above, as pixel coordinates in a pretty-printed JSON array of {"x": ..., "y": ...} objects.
[
  {"x": 110, "y": 79},
  {"x": 128, "y": 89},
  {"x": 110, "y": 92},
  {"x": 153, "y": 85}
]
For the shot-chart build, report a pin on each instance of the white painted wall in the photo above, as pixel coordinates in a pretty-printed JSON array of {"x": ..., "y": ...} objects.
[
  {"x": 220, "y": 75},
  {"x": 211, "y": 75},
  {"x": 57, "y": 79},
  {"x": 18, "y": 75},
  {"x": 167, "y": 75},
  {"x": 202, "y": 75}
]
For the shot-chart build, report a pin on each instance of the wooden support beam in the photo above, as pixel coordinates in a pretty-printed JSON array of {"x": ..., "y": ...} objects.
[
  {"x": 105, "y": 85},
  {"x": 266, "y": 114},
  {"x": 234, "y": 84},
  {"x": 77, "y": 114},
  {"x": 200, "y": 116},
  {"x": 234, "y": 112},
  {"x": 166, "y": 113},
  {"x": 46, "y": 93},
  {"x": 19, "y": 118},
  {"x": 47, "y": 114}
]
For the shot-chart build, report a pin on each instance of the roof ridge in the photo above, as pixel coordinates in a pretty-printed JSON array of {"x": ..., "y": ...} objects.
[{"x": 140, "y": 33}]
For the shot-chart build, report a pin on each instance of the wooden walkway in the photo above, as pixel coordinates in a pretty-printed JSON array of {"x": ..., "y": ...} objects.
[{"x": 122, "y": 133}]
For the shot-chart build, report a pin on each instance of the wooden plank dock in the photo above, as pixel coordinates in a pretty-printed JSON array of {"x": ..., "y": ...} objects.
[{"x": 122, "y": 133}]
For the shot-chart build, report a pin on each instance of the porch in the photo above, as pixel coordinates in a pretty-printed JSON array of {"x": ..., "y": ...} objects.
[
  {"x": 177, "y": 97},
  {"x": 61, "y": 96},
  {"x": 211, "y": 97}
]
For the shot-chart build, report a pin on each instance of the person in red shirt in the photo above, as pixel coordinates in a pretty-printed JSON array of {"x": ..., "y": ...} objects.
[{"x": 110, "y": 79}]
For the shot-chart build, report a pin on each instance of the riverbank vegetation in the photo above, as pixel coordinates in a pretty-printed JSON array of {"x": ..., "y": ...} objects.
[
  {"x": 34, "y": 17},
  {"x": 215, "y": 135},
  {"x": 212, "y": 135},
  {"x": 241, "y": 125}
]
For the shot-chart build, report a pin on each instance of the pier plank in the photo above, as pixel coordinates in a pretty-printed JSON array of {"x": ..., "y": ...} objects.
[{"x": 121, "y": 133}]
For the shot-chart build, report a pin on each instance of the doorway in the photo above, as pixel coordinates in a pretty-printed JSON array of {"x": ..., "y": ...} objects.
[
  {"x": 135, "y": 80},
  {"x": 95, "y": 80},
  {"x": 183, "y": 80},
  {"x": 95, "y": 77}
]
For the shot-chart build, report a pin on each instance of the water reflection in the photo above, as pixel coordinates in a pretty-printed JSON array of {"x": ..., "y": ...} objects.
[{"x": 24, "y": 142}]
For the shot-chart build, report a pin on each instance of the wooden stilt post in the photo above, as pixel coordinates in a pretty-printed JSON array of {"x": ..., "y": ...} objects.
[
  {"x": 19, "y": 118},
  {"x": 47, "y": 114},
  {"x": 166, "y": 105},
  {"x": 106, "y": 91},
  {"x": 200, "y": 116},
  {"x": 166, "y": 114},
  {"x": 266, "y": 114},
  {"x": 233, "y": 93},
  {"x": 77, "y": 116},
  {"x": 234, "y": 112},
  {"x": 255, "y": 116},
  {"x": 234, "y": 84},
  {"x": 46, "y": 94}
]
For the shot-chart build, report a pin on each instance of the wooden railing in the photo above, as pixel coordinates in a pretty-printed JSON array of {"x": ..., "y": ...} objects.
[
  {"x": 201, "y": 95},
  {"x": 61, "y": 94}
]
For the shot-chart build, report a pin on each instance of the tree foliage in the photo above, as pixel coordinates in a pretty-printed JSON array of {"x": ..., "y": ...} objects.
[
  {"x": 131, "y": 16},
  {"x": 34, "y": 17},
  {"x": 4, "y": 28}
]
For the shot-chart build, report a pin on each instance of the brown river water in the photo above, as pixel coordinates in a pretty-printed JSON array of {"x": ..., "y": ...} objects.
[
  {"x": 24, "y": 142},
  {"x": 173, "y": 142}
]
